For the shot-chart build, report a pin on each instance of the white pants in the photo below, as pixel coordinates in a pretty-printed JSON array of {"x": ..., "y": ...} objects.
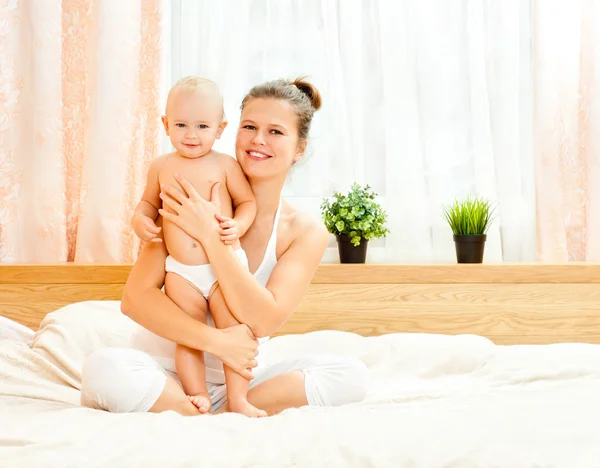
[{"x": 124, "y": 380}]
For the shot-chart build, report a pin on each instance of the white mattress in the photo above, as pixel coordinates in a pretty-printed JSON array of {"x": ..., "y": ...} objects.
[{"x": 434, "y": 401}]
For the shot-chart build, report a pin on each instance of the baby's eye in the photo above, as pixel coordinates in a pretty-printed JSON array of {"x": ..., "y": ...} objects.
[
  {"x": 180, "y": 125},
  {"x": 203, "y": 126}
]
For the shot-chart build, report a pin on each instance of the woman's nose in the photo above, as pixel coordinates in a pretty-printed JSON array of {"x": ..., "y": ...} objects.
[{"x": 258, "y": 139}]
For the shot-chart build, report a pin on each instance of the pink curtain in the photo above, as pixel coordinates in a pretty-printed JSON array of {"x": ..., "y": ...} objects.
[
  {"x": 80, "y": 84},
  {"x": 566, "y": 65}
]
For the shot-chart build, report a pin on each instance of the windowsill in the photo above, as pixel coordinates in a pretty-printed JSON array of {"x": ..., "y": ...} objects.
[
  {"x": 451, "y": 272},
  {"x": 336, "y": 273}
]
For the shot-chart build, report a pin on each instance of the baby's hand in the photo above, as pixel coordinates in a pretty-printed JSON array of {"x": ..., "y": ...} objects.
[
  {"x": 145, "y": 228},
  {"x": 229, "y": 229}
]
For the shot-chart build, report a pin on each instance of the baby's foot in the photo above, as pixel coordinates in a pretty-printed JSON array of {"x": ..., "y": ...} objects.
[
  {"x": 245, "y": 408},
  {"x": 201, "y": 401}
]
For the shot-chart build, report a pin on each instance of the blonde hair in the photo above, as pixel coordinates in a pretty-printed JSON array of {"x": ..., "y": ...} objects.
[
  {"x": 199, "y": 84},
  {"x": 303, "y": 96}
]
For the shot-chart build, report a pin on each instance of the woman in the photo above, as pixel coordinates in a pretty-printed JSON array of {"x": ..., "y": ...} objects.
[{"x": 284, "y": 247}]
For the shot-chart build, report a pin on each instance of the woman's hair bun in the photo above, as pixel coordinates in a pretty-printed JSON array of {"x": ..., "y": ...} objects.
[{"x": 310, "y": 90}]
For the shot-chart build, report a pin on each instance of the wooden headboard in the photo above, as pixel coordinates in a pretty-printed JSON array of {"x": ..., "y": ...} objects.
[{"x": 508, "y": 303}]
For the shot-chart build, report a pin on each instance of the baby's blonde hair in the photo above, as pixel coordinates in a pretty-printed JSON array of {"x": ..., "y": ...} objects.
[{"x": 201, "y": 85}]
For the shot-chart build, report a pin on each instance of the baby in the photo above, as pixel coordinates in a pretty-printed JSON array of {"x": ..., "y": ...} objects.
[{"x": 194, "y": 120}]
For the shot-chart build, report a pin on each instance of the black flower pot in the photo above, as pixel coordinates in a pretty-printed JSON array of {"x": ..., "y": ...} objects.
[
  {"x": 469, "y": 248},
  {"x": 349, "y": 253}
]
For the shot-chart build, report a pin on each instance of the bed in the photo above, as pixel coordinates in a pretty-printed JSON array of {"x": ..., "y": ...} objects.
[{"x": 471, "y": 366}]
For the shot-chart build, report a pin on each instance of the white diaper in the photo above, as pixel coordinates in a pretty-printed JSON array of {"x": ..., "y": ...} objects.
[{"x": 201, "y": 277}]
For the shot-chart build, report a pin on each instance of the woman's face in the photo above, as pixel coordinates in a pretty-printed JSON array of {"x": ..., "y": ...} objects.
[{"x": 267, "y": 142}]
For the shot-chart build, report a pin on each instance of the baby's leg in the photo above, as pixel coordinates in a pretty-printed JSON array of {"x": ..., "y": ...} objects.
[
  {"x": 237, "y": 386},
  {"x": 190, "y": 362}
]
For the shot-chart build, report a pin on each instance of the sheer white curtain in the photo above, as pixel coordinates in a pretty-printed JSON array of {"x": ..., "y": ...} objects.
[{"x": 424, "y": 100}]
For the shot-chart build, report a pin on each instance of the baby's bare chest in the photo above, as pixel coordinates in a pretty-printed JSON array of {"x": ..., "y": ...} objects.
[{"x": 202, "y": 173}]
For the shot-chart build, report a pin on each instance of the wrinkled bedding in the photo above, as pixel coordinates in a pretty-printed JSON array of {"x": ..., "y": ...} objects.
[{"x": 433, "y": 401}]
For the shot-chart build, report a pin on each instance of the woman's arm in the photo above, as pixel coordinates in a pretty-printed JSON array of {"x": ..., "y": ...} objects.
[
  {"x": 145, "y": 303},
  {"x": 264, "y": 310}
]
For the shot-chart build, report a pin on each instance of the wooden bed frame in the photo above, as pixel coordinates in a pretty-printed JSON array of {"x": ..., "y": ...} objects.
[{"x": 508, "y": 303}]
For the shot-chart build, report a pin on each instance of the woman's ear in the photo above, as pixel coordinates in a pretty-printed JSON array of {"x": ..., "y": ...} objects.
[{"x": 300, "y": 151}]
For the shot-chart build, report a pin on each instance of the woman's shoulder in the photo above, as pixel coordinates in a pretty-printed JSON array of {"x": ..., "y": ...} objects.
[{"x": 299, "y": 225}]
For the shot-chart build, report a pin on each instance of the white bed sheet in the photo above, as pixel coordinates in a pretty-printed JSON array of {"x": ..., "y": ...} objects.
[
  {"x": 11, "y": 330},
  {"x": 434, "y": 401}
]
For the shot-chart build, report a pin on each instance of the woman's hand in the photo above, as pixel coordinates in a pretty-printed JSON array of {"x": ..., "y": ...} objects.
[
  {"x": 192, "y": 213},
  {"x": 238, "y": 348}
]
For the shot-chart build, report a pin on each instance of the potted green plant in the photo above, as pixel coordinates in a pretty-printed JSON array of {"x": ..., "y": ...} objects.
[
  {"x": 354, "y": 218},
  {"x": 469, "y": 220}
]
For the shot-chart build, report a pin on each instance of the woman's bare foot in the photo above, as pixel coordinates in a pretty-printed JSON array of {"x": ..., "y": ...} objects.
[
  {"x": 201, "y": 401},
  {"x": 243, "y": 407}
]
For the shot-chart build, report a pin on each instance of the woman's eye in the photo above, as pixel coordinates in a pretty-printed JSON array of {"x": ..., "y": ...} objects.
[
  {"x": 276, "y": 132},
  {"x": 249, "y": 127}
]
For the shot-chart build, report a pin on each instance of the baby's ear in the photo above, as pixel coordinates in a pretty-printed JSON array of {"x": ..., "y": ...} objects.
[
  {"x": 221, "y": 128},
  {"x": 165, "y": 123}
]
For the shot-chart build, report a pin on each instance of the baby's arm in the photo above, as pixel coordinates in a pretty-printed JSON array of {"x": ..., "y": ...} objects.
[
  {"x": 146, "y": 212},
  {"x": 244, "y": 203}
]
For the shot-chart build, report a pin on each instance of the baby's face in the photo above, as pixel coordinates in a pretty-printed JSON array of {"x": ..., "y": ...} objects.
[{"x": 193, "y": 122}]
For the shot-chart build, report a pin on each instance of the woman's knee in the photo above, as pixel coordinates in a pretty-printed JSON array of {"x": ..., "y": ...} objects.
[
  {"x": 121, "y": 380},
  {"x": 337, "y": 381},
  {"x": 355, "y": 383}
]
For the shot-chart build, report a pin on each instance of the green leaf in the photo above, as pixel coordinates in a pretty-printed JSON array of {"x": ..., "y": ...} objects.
[
  {"x": 355, "y": 214},
  {"x": 471, "y": 216}
]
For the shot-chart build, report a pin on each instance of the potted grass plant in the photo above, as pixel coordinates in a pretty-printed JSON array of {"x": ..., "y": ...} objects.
[
  {"x": 354, "y": 218},
  {"x": 469, "y": 220}
]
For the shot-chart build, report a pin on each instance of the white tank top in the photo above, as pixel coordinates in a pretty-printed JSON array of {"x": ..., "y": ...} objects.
[
  {"x": 264, "y": 270},
  {"x": 163, "y": 351}
]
